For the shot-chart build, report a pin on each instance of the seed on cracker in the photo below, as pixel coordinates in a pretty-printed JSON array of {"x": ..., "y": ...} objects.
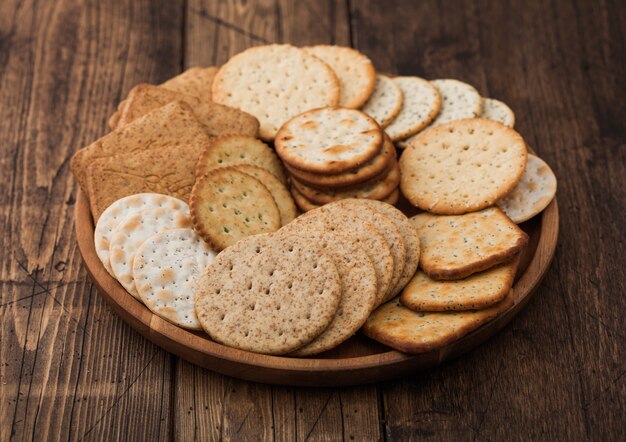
[
  {"x": 454, "y": 247},
  {"x": 385, "y": 102},
  {"x": 498, "y": 111}
]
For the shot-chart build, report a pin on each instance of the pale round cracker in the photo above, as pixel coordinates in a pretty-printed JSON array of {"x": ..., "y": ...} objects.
[
  {"x": 227, "y": 205},
  {"x": 498, "y": 111},
  {"x": 122, "y": 208},
  {"x": 303, "y": 204},
  {"x": 268, "y": 294},
  {"x": 130, "y": 234},
  {"x": 462, "y": 166},
  {"x": 420, "y": 106},
  {"x": 329, "y": 140},
  {"x": 532, "y": 194},
  {"x": 166, "y": 270},
  {"x": 275, "y": 83},
  {"x": 385, "y": 103},
  {"x": 392, "y": 198},
  {"x": 354, "y": 70}
]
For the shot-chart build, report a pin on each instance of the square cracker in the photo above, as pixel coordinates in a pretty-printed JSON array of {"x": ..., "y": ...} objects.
[
  {"x": 171, "y": 126},
  {"x": 454, "y": 247}
]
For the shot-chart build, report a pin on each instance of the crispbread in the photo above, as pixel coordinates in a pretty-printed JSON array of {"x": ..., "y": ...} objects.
[
  {"x": 231, "y": 150},
  {"x": 385, "y": 102},
  {"x": 115, "y": 117},
  {"x": 462, "y": 166},
  {"x": 377, "y": 189},
  {"x": 532, "y": 194},
  {"x": 405, "y": 330},
  {"x": 274, "y": 83},
  {"x": 268, "y": 294},
  {"x": 122, "y": 208},
  {"x": 420, "y": 106},
  {"x": 196, "y": 81},
  {"x": 161, "y": 170},
  {"x": 454, "y": 247},
  {"x": 227, "y": 205},
  {"x": 496, "y": 110},
  {"x": 374, "y": 167},
  {"x": 478, "y": 291},
  {"x": 303, "y": 204},
  {"x": 166, "y": 270},
  {"x": 283, "y": 199},
  {"x": 215, "y": 118},
  {"x": 329, "y": 140},
  {"x": 354, "y": 71},
  {"x": 130, "y": 234},
  {"x": 171, "y": 126}
]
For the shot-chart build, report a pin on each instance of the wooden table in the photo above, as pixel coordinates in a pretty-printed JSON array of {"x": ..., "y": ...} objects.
[{"x": 70, "y": 369}]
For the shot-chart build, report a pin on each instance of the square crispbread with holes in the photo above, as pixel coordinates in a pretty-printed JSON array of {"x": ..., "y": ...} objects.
[
  {"x": 329, "y": 140},
  {"x": 275, "y": 83},
  {"x": 418, "y": 332},
  {"x": 477, "y": 291},
  {"x": 269, "y": 294},
  {"x": 358, "y": 282},
  {"x": 532, "y": 194},
  {"x": 386, "y": 100},
  {"x": 454, "y": 247},
  {"x": 462, "y": 166},
  {"x": 354, "y": 71},
  {"x": 498, "y": 111},
  {"x": 166, "y": 270},
  {"x": 231, "y": 150},
  {"x": 227, "y": 205}
]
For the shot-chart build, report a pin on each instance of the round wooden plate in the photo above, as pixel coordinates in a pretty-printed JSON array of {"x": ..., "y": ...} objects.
[{"x": 357, "y": 361}]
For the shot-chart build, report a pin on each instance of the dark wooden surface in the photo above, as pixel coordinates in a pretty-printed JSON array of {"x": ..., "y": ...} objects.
[{"x": 70, "y": 369}]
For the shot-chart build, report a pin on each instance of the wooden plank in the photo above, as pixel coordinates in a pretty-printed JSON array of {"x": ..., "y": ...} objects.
[{"x": 69, "y": 368}]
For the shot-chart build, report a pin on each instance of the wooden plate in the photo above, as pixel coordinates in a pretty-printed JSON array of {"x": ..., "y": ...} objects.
[{"x": 357, "y": 361}]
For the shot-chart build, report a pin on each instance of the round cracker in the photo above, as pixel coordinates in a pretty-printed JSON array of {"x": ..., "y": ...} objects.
[
  {"x": 166, "y": 270},
  {"x": 232, "y": 150},
  {"x": 385, "y": 103},
  {"x": 462, "y": 166},
  {"x": 275, "y": 83},
  {"x": 532, "y": 194},
  {"x": 303, "y": 204},
  {"x": 130, "y": 234},
  {"x": 227, "y": 205},
  {"x": 496, "y": 110},
  {"x": 421, "y": 105},
  {"x": 268, "y": 294},
  {"x": 393, "y": 197},
  {"x": 354, "y": 70},
  {"x": 122, "y": 208}
]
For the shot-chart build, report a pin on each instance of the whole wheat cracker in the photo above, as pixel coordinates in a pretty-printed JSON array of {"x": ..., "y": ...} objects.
[
  {"x": 496, "y": 110},
  {"x": 196, "y": 81},
  {"x": 386, "y": 100},
  {"x": 454, "y": 247},
  {"x": 166, "y": 270},
  {"x": 268, "y": 294}
]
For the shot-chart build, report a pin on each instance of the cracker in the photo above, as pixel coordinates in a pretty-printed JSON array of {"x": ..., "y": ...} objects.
[
  {"x": 454, "y": 247},
  {"x": 268, "y": 294},
  {"x": 329, "y": 140},
  {"x": 478, "y": 291},
  {"x": 227, "y": 205},
  {"x": 420, "y": 106},
  {"x": 130, "y": 234},
  {"x": 392, "y": 198},
  {"x": 303, "y": 204},
  {"x": 385, "y": 103},
  {"x": 462, "y": 166},
  {"x": 231, "y": 150},
  {"x": 532, "y": 194},
  {"x": 122, "y": 208},
  {"x": 115, "y": 117},
  {"x": 171, "y": 126},
  {"x": 166, "y": 270},
  {"x": 283, "y": 199},
  {"x": 354, "y": 71},
  {"x": 275, "y": 83},
  {"x": 405, "y": 330},
  {"x": 196, "y": 81},
  {"x": 215, "y": 118},
  {"x": 498, "y": 111}
]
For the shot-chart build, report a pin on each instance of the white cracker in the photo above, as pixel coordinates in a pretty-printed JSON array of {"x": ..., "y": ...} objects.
[
  {"x": 123, "y": 208},
  {"x": 166, "y": 269},
  {"x": 498, "y": 111},
  {"x": 385, "y": 102},
  {"x": 130, "y": 234}
]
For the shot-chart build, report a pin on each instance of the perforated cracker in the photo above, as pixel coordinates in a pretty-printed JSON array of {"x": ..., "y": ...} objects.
[{"x": 385, "y": 102}]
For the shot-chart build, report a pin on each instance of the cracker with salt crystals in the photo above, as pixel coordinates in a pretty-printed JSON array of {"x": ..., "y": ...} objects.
[
  {"x": 130, "y": 234},
  {"x": 411, "y": 332},
  {"x": 533, "y": 193},
  {"x": 166, "y": 270},
  {"x": 385, "y": 103},
  {"x": 275, "y": 83},
  {"x": 454, "y": 247}
]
